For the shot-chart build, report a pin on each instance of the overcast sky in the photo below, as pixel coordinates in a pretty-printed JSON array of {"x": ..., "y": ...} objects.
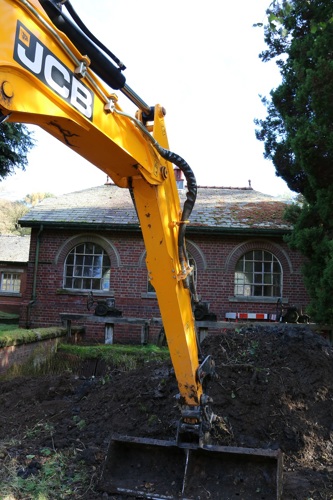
[{"x": 200, "y": 61}]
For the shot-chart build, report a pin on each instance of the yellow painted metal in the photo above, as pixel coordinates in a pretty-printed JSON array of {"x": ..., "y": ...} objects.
[
  {"x": 108, "y": 140},
  {"x": 115, "y": 145}
]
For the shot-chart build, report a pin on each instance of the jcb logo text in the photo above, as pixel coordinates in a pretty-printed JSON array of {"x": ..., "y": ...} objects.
[{"x": 30, "y": 53}]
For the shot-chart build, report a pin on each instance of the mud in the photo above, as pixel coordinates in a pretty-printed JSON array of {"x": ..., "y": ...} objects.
[{"x": 274, "y": 391}]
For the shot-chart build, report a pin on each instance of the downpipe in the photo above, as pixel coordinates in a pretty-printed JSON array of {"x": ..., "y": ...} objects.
[{"x": 33, "y": 300}]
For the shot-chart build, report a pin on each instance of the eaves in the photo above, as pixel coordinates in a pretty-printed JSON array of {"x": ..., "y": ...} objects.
[
  {"x": 91, "y": 226},
  {"x": 238, "y": 231},
  {"x": 209, "y": 230}
]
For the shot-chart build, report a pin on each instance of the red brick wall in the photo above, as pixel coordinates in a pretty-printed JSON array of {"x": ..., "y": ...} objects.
[
  {"x": 11, "y": 303},
  {"x": 36, "y": 352},
  {"x": 215, "y": 257}
]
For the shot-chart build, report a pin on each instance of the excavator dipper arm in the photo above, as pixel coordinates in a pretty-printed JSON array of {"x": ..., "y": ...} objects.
[{"x": 45, "y": 80}]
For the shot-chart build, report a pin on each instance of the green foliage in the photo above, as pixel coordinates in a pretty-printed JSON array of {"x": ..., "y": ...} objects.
[
  {"x": 12, "y": 335},
  {"x": 124, "y": 357},
  {"x": 53, "y": 479},
  {"x": 298, "y": 133},
  {"x": 15, "y": 142}
]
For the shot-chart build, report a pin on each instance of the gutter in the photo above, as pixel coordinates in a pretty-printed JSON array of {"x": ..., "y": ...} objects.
[
  {"x": 234, "y": 231},
  {"x": 80, "y": 226}
]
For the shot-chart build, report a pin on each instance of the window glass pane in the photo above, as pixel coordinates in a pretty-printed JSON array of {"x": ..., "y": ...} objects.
[
  {"x": 78, "y": 271},
  {"x": 10, "y": 282},
  {"x": 88, "y": 260},
  {"x": 83, "y": 263},
  {"x": 239, "y": 265},
  {"x": 77, "y": 283},
  {"x": 248, "y": 277},
  {"x": 239, "y": 278},
  {"x": 268, "y": 257},
  {"x": 98, "y": 260},
  {"x": 70, "y": 258},
  {"x": 276, "y": 279},
  {"x": 96, "y": 284},
  {"x": 259, "y": 280},
  {"x": 248, "y": 267},
  {"x": 276, "y": 267},
  {"x": 87, "y": 271},
  {"x": 258, "y": 267},
  {"x": 86, "y": 284},
  {"x": 79, "y": 249},
  {"x": 70, "y": 270},
  {"x": 106, "y": 280},
  {"x": 267, "y": 267},
  {"x": 79, "y": 259},
  {"x": 89, "y": 248},
  {"x": 97, "y": 272},
  {"x": 68, "y": 283}
]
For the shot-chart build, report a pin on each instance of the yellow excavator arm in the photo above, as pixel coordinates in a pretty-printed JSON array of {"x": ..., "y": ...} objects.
[
  {"x": 46, "y": 80},
  {"x": 54, "y": 73}
]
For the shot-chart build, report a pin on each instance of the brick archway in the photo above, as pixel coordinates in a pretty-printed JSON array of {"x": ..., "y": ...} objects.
[
  {"x": 88, "y": 238},
  {"x": 249, "y": 245}
]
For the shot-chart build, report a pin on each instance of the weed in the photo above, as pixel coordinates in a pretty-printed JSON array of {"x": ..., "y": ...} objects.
[
  {"x": 50, "y": 481},
  {"x": 79, "y": 422},
  {"x": 142, "y": 408},
  {"x": 153, "y": 419}
]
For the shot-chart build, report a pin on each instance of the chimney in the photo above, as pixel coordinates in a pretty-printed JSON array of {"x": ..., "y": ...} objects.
[{"x": 179, "y": 178}]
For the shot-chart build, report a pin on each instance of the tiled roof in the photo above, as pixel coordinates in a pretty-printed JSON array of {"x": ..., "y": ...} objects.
[
  {"x": 14, "y": 248},
  {"x": 215, "y": 208}
]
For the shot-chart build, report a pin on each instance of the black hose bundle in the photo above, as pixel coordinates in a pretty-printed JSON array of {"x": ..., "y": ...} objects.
[{"x": 191, "y": 197}]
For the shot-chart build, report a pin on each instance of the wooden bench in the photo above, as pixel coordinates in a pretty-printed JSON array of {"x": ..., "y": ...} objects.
[{"x": 109, "y": 322}]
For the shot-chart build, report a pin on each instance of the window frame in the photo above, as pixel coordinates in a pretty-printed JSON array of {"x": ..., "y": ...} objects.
[
  {"x": 14, "y": 290},
  {"x": 87, "y": 268},
  {"x": 256, "y": 274}
]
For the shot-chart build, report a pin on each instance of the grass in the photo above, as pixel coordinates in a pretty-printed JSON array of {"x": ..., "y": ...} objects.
[
  {"x": 7, "y": 328},
  {"x": 125, "y": 357},
  {"x": 6, "y": 316},
  {"x": 69, "y": 357},
  {"x": 13, "y": 335},
  {"x": 46, "y": 475}
]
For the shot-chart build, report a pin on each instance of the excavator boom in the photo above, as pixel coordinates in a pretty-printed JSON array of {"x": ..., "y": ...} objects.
[{"x": 54, "y": 73}]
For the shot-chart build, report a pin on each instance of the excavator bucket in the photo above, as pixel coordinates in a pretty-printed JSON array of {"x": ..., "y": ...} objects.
[{"x": 149, "y": 468}]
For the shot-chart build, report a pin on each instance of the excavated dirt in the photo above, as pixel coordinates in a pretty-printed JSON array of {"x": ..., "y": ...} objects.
[{"x": 274, "y": 391}]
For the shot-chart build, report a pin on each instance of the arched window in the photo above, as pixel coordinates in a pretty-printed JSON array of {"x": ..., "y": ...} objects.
[
  {"x": 258, "y": 274},
  {"x": 87, "y": 267}
]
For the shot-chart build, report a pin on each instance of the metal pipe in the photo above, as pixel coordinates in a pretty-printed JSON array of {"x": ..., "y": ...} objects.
[
  {"x": 133, "y": 96},
  {"x": 34, "y": 282}
]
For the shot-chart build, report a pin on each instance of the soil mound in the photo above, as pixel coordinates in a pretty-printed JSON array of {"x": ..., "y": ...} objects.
[{"x": 274, "y": 390}]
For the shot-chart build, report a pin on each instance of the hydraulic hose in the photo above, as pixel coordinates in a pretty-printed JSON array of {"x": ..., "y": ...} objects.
[{"x": 191, "y": 196}]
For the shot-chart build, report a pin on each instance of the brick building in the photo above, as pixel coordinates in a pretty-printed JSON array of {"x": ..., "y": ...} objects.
[
  {"x": 14, "y": 254},
  {"x": 91, "y": 240}
]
